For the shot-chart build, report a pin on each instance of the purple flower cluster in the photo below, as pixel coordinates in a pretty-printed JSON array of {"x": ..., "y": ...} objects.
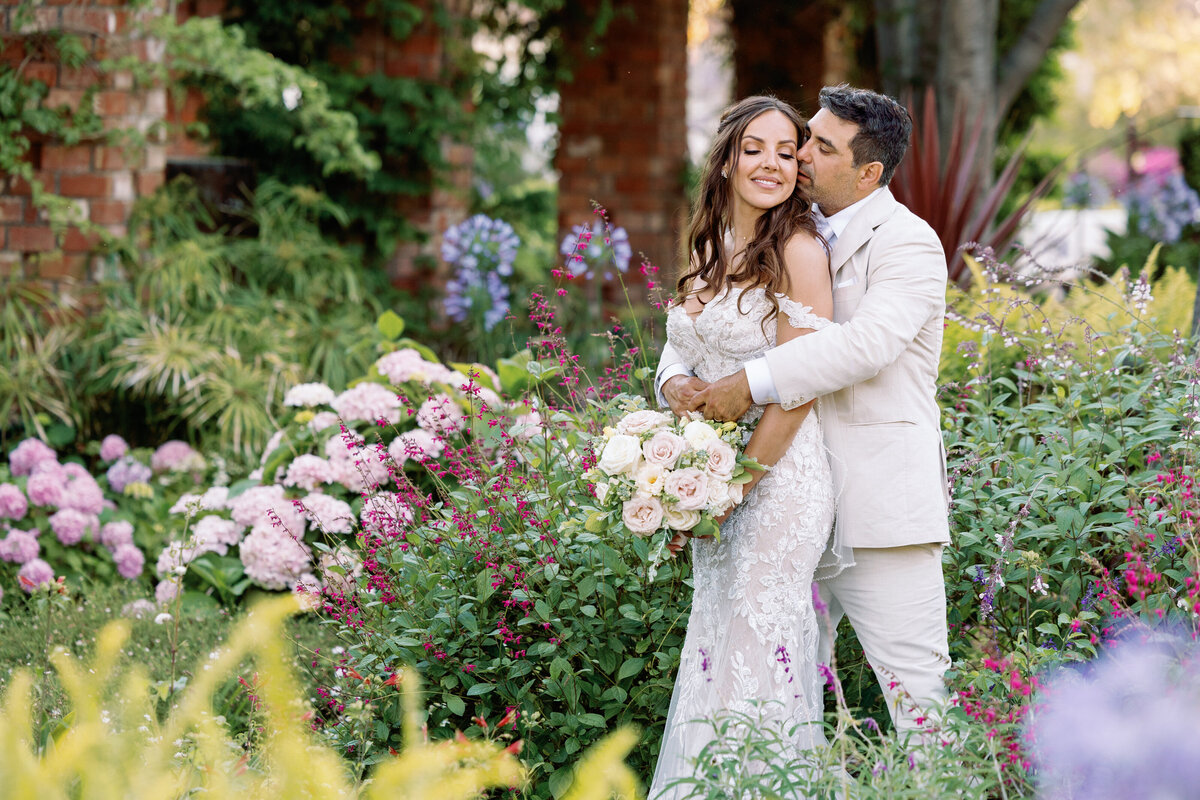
[
  {"x": 1162, "y": 208},
  {"x": 1123, "y": 727},
  {"x": 483, "y": 251},
  {"x": 112, "y": 448},
  {"x": 125, "y": 471},
  {"x": 594, "y": 247}
]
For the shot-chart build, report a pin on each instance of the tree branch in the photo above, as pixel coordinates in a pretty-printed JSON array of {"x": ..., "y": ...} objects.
[{"x": 1022, "y": 60}]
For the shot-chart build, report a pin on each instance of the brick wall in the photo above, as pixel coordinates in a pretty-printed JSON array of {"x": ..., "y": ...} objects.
[
  {"x": 101, "y": 179},
  {"x": 623, "y": 130}
]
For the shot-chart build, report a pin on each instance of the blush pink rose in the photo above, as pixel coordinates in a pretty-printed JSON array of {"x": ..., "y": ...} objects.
[
  {"x": 721, "y": 460},
  {"x": 690, "y": 486},
  {"x": 640, "y": 422},
  {"x": 664, "y": 449},
  {"x": 642, "y": 515}
]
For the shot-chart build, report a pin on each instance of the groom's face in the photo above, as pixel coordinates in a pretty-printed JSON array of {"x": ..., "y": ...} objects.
[{"x": 826, "y": 164}]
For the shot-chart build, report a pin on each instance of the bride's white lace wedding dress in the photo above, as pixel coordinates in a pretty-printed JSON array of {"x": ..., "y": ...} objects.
[{"x": 751, "y": 639}]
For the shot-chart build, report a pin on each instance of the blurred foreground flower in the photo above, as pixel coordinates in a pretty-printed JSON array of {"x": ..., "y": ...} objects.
[{"x": 1123, "y": 727}]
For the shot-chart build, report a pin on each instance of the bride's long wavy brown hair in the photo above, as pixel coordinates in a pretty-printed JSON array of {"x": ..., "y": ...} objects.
[{"x": 763, "y": 263}]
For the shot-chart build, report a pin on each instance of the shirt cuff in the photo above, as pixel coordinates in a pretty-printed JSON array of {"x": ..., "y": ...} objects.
[
  {"x": 762, "y": 386},
  {"x": 666, "y": 375}
]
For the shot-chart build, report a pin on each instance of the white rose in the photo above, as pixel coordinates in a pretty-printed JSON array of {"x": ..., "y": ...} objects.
[
  {"x": 690, "y": 486},
  {"x": 642, "y": 515},
  {"x": 602, "y": 491},
  {"x": 699, "y": 434},
  {"x": 721, "y": 460},
  {"x": 737, "y": 491},
  {"x": 621, "y": 454},
  {"x": 640, "y": 422},
  {"x": 649, "y": 479},
  {"x": 718, "y": 496},
  {"x": 681, "y": 519}
]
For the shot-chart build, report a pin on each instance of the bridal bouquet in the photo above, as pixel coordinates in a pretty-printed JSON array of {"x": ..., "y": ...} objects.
[{"x": 659, "y": 475}]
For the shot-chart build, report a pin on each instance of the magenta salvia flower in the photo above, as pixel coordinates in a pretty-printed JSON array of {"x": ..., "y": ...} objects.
[
  {"x": 112, "y": 448},
  {"x": 116, "y": 533},
  {"x": 308, "y": 395},
  {"x": 129, "y": 561},
  {"x": 385, "y": 513},
  {"x": 409, "y": 365},
  {"x": 27, "y": 454},
  {"x": 13, "y": 504},
  {"x": 214, "y": 534},
  {"x": 417, "y": 444},
  {"x": 19, "y": 547},
  {"x": 125, "y": 471},
  {"x": 356, "y": 466},
  {"x": 328, "y": 513},
  {"x": 308, "y": 472},
  {"x": 176, "y": 456},
  {"x": 273, "y": 558},
  {"x": 70, "y": 525},
  {"x": 35, "y": 573},
  {"x": 368, "y": 402}
]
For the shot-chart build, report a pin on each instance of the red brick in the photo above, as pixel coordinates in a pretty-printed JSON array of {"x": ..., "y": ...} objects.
[
  {"x": 110, "y": 212},
  {"x": 84, "y": 185},
  {"x": 210, "y": 8},
  {"x": 115, "y": 158},
  {"x": 9, "y": 262},
  {"x": 42, "y": 72},
  {"x": 111, "y": 104},
  {"x": 64, "y": 97},
  {"x": 60, "y": 265},
  {"x": 29, "y": 239},
  {"x": 78, "y": 242},
  {"x": 90, "y": 20},
  {"x": 12, "y": 51},
  {"x": 77, "y": 157},
  {"x": 11, "y": 209},
  {"x": 78, "y": 78},
  {"x": 148, "y": 181}
]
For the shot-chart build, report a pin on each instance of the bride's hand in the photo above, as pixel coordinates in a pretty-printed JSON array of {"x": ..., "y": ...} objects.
[{"x": 677, "y": 543}]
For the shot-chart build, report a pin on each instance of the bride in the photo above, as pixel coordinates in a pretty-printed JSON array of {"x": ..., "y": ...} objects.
[{"x": 759, "y": 276}]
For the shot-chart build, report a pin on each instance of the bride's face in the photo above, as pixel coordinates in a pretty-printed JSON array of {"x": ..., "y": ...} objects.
[{"x": 764, "y": 174}]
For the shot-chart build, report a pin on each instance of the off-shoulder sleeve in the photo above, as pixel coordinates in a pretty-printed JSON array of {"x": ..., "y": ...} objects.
[{"x": 800, "y": 316}]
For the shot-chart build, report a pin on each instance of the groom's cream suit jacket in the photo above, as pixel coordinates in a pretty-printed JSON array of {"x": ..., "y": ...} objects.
[{"x": 875, "y": 373}]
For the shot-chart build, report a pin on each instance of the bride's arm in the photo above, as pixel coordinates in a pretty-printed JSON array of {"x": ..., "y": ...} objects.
[{"x": 808, "y": 270}]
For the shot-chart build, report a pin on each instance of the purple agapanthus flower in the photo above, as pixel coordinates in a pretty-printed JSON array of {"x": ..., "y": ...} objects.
[
  {"x": 592, "y": 249},
  {"x": 483, "y": 251},
  {"x": 1162, "y": 207}
]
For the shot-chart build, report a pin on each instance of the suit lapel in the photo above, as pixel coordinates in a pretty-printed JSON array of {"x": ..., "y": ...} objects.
[{"x": 860, "y": 230}]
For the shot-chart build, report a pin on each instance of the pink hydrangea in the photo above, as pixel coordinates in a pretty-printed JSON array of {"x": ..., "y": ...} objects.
[
  {"x": 273, "y": 558},
  {"x": 214, "y": 534},
  {"x": 417, "y": 444},
  {"x": 308, "y": 395},
  {"x": 368, "y": 402},
  {"x": 441, "y": 415},
  {"x": 45, "y": 488},
  {"x": 167, "y": 590},
  {"x": 13, "y": 504},
  {"x": 129, "y": 561},
  {"x": 116, "y": 533},
  {"x": 35, "y": 573},
  {"x": 322, "y": 420},
  {"x": 138, "y": 609},
  {"x": 70, "y": 525},
  {"x": 253, "y": 506},
  {"x": 20, "y": 547},
  {"x": 176, "y": 456},
  {"x": 328, "y": 514},
  {"x": 386, "y": 514},
  {"x": 308, "y": 472},
  {"x": 112, "y": 448},
  {"x": 27, "y": 454},
  {"x": 82, "y": 493},
  {"x": 409, "y": 365},
  {"x": 359, "y": 468},
  {"x": 125, "y": 471}
]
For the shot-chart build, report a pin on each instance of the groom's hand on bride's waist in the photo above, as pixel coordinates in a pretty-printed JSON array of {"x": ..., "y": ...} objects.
[
  {"x": 726, "y": 399},
  {"x": 679, "y": 392}
]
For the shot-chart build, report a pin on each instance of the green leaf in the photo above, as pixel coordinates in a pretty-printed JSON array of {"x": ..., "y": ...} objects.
[
  {"x": 561, "y": 780},
  {"x": 631, "y": 667},
  {"x": 480, "y": 689},
  {"x": 391, "y": 325},
  {"x": 455, "y": 705},
  {"x": 594, "y": 720}
]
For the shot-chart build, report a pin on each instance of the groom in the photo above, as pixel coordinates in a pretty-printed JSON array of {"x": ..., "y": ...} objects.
[{"x": 876, "y": 373}]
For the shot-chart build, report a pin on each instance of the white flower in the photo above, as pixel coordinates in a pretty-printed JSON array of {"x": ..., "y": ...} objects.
[
  {"x": 718, "y": 496},
  {"x": 649, "y": 479},
  {"x": 308, "y": 395},
  {"x": 161, "y": 618},
  {"x": 642, "y": 515},
  {"x": 602, "y": 490},
  {"x": 620, "y": 455},
  {"x": 699, "y": 434},
  {"x": 291, "y": 97},
  {"x": 681, "y": 519},
  {"x": 664, "y": 448},
  {"x": 640, "y": 422},
  {"x": 690, "y": 486}
]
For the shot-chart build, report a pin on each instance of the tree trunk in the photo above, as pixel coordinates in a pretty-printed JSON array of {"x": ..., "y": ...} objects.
[{"x": 779, "y": 49}]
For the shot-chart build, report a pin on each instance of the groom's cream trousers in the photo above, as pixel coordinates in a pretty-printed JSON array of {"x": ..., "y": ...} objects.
[{"x": 896, "y": 600}]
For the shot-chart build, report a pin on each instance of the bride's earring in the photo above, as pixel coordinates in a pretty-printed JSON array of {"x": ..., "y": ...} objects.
[{"x": 724, "y": 173}]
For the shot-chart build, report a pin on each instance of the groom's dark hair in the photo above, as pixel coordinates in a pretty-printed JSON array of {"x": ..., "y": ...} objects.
[{"x": 884, "y": 126}]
